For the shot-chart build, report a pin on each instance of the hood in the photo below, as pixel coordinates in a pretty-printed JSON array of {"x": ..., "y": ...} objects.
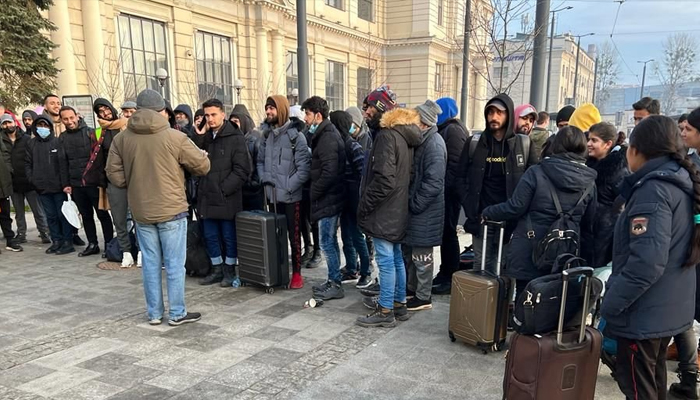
[
  {"x": 405, "y": 121},
  {"x": 199, "y": 113},
  {"x": 449, "y": 109},
  {"x": 565, "y": 113},
  {"x": 661, "y": 168},
  {"x": 342, "y": 122},
  {"x": 282, "y": 106},
  {"x": 146, "y": 122},
  {"x": 104, "y": 102},
  {"x": 240, "y": 111},
  {"x": 228, "y": 129},
  {"x": 568, "y": 172},
  {"x": 30, "y": 113},
  {"x": 585, "y": 116},
  {"x": 509, "y": 111},
  {"x": 48, "y": 122},
  {"x": 187, "y": 110}
]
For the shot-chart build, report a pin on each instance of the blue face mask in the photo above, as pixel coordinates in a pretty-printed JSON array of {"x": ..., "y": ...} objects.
[
  {"x": 312, "y": 128},
  {"x": 352, "y": 129},
  {"x": 43, "y": 132}
]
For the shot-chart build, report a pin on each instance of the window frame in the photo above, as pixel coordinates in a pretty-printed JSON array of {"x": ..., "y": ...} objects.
[
  {"x": 211, "y": 64},
  {"x": 370, "y": 9},
  {"x": 441, "y": 11},
  {"x": 439, "y": 77},
  {"x": 337, "y": 4},
  {"x": 330, "y": 82},
  {"x": 363, "y": 91}
]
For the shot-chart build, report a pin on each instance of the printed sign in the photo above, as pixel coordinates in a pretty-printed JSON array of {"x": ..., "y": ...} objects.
[{"x": 82, "y": 104}]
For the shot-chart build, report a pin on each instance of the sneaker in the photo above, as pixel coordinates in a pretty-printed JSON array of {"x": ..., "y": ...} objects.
[
  {"x": 155, "y": 321},
  {"x": 138, "y": 260},
  {"x": 316, "y": 260},
  {"x": 380, "y": 317},
  {"x": 370, "y": 302},
  {"x": 416, "y": 304},
  {"x": 236, "y": 283},
  {"x": 127, "y": 260},
  {"x": 333, "y": 291},
  {"x": 371, "y": 290},
  {"x": 364, "y": 282},
  {"x": 401, "y": 311},
  {"x": 297, "y": 281},
  {"x": 443, "y": 288},
  {"x": 189, "y": 318},
  {"x": 20, "y": 239},
  {"x": 66, "y": 248},
  {"x": 322, "y": 287},
  {"x": 44, "y": 238},
  {"x": 54, "y": 247},
  {"x": 13, "y": 246},
  {"x": 307, "y": 255},
  {"x": 348, "y": 277}
]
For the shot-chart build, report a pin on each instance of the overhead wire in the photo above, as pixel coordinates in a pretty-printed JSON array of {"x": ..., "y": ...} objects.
[{"x": 612, "y": 40}]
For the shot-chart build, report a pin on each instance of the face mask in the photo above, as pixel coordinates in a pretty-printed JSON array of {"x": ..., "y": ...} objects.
[
  {"x": 183, "y": 123},
  {"x": 352, "y": 129},
  {"x": 312, "y": 128},
  {"x": 43, "y": 132}
]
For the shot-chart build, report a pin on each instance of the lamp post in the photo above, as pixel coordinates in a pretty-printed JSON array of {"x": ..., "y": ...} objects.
[
  {"x": 578, "y": 52},
  {"x": 162, "y": 76},
  {"x": 644, "y": 74},
  {"x": 549, "y": 63},
  {"x": 238, "y": 85}
]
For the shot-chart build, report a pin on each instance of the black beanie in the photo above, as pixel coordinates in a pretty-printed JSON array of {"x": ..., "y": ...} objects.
[
  {"x": 694, "y": 118},
  {"x": 565, "y": 113},
  {"x": 270, "y": 102}
]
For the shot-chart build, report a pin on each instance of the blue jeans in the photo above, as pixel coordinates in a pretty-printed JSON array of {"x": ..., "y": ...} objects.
[
  {"x": 328, "y": 229},
  {"x": 59, "y": 228},
  {"x": 392, "y": 273},
  {"x": 164, "y": 242},
  {"x": 353, "y": 244},
  {"x": 216, "y": 230}
]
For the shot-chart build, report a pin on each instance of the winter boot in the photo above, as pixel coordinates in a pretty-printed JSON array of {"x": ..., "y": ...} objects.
[
  {"x": 216, "y": 275},
  {"x": 229, "y": 275},
  {"x": 66, "y": 248},
  {"x": 297, "y": 281},
  {"x": 55, "y": 246},
  {"x": 687, "y": 388},
  {"x": 316, "y": 260}
]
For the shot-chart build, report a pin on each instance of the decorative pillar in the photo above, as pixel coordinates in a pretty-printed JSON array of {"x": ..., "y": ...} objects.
[
  {"x": 67, "y": 82},
  {"x": 279, "y": 81},
  {"x": 94, "y": 47},
  {"x": 264, "y": 81}
]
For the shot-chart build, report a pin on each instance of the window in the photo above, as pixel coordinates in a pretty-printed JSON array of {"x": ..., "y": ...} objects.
[
  {"x": 143, "y": 51},
  {"x": 364, "y": 9},
  {"x": 335, "y": 3},
  {"x": 499, "y": 72},
  {"x": 335, "y": 85},
  {"x": 439, "y": 76},
  {"x": 364, "y": 84},
  {"x": 214, "y": 76},
  {"x": 292, "y": 76},
  {"x": 441, "y": 8}
]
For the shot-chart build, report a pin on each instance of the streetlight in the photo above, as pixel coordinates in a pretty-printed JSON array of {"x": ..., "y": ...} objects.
[
  {"x": 578, "y": 51},
  {"x": 162, "y": 76},
  {"x": 644, "y": 74},
  {"x": 238, "y": 85},
  {"x": 551, "y": 42}
]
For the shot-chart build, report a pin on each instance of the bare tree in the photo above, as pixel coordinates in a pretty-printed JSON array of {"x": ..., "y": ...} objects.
[
  {"x": 608, "y": 69},
  {"x": 676, "y": 67},
  {"x": 371, "y": 53}
]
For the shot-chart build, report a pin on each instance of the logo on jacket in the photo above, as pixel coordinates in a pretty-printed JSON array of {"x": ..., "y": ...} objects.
[{"x": 639, "y": 225}]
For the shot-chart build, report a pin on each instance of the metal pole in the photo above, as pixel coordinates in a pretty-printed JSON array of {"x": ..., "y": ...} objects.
[
  {"x": 302, "y": 51},
  {"x": 595, "y": 80},
  {"x": 465, "y": 63},
  {"x": 541, "y": 21},
  {"x": 549, "y": 63},
  {"x": 644, "y": 75},
  {"x": 578, "y": 52}
]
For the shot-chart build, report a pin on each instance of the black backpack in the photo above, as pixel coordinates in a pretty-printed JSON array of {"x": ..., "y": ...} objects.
[
  {"x": 563, "y": 235},
  {"x": 197, "y": 262}
]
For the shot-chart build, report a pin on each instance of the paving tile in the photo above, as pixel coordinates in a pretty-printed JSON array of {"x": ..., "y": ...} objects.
[
  {"x": 273, "y": 333},
  {"x": 21, "y": 374},
  {"x": 189, "y": 331},
  {"x": 15, "y": 394},
  {"x": 80, "y": 353},
  {"x": 298, "y": 321},
  {"x": 245, "y": 326},
  {"x": 206, "y": 343},
  {"x": 282, "y": 310},
  {"x": 276, "y": 356},
  {"x": 90, "y": 390},
  {"x": 109, "y": 363},
  {"x": 58, "y": 381},
  {"x": 244, "y": 374},
  {"x": 248, "y": 345},
  {"x": 144, "y": 392},
  {"x": 207, "y": 390},
  {"x": 130, "y": 376},
  {"x": 212, "y": 362},
  {"x": 168, "y": 358},
  {"x": 176, "y": 381}
]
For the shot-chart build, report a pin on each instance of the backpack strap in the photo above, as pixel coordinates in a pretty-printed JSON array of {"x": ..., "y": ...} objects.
[
  {"x": 525, "y": 145},
  {"x": 472, "y": 145}
]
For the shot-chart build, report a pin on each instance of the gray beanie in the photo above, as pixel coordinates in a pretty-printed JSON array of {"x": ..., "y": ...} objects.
[
  {"x": 429, "y": 112},
  {"x": 356, "y": 115},
  {"x": 150, "y": 99},
  {"x": 128, "y": 104}
]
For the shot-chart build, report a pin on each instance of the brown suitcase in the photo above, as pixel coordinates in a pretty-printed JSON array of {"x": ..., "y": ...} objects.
[
  {"x": 479, "y": 302},
  {"x": 558, "y": 365}
]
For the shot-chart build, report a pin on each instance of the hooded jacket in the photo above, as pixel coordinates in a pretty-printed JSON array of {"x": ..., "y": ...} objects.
[
  {"x": 109, "y": 128},
  {"x": 33, "y": 116},
  {"x": 240, "y": 111},
  {"x": 539, "y": 137},
  {"x": 427, "y": 191},
  {"x": 354, "y": 160},
  {"x": 78, "y": 145},
  {"x": 18, "y": 152},
  {"x": 149, "y": 159},
  {"x": 477, "y": 182},
  {"x": 253, "y": 140},
  {"x": 5, "y": 171},
  {"x": 650, "y": 293},
  {"x": 383, "y": 211},
  {"x": 454, "y": 134},
  {"x": 187, "y": 110},
  {"x": 327, "y": 172},
  {"x": 220, "y": 194},
  {"x": 42, "y": 162},
  {"x": 570, "y": 177}
]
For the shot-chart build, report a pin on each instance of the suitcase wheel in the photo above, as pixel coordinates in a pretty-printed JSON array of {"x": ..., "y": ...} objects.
[
  {"x": 452, "y": 336},
  {"x": 270, "y": 290}
]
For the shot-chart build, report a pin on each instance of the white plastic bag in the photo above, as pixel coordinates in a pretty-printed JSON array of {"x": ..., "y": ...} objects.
[{"x": 70, "y": 211}]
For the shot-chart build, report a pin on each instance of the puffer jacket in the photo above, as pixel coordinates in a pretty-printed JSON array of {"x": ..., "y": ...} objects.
[
  {"x": 383, "y": 211},
  {"x": 42, "y": 162},
  {"x": 285, "y": 161},
  {"x": 77, "y": 147},
  {"x": 455, "y": 134},
  {"x": 532, "y": 199},
  {"x": 327, "y": 172},
  {"x": 597, "y": 247},
  {"x": 18, "y": 153},
  {"x": 651, "y": 293},
  {"x": 5, "y": 171},
  {"x": 354, "y": 160},
  {"x": 427, "y": 191},
  {"x": 220, "y": 194},
  {"x": 539, "y": 137}
]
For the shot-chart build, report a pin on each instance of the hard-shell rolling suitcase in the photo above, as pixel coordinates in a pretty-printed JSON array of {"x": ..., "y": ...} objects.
[
  {"x": 263, "y": 255},
  {"x": 479, "y": 301},
  {"x": 560, "y": 365}
]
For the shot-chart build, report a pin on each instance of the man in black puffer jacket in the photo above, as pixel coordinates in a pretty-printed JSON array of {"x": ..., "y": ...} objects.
[
  {"x": 220, "y": 195},
  {"x": 426, "y": 203},
  {"x": 83, "y": 167},
  {"x": 327, "y": 189}
]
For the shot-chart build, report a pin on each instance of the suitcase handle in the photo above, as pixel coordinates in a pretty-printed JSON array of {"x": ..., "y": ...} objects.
[
  {"x": 566, "y": 276},
  {"x": 566, "y": 260},
  {"x": 502, "y": 226},
  {"x": 274, "y": 195}
]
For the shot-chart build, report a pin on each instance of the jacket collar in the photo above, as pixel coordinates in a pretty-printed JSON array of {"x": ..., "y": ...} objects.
[{"x": 636, "y": 179}]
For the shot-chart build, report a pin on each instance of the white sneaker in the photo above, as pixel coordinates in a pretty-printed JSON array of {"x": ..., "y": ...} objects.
[
  {"x": 138, "y": 260},
  {"x": 127, "y": 260}
]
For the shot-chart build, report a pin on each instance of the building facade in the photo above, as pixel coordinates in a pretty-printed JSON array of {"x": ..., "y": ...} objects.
[
  {"x": 622, "y": 98},
  {"x": 112, "y": 48}
]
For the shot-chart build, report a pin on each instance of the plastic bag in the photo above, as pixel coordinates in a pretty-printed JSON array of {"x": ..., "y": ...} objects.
[{"x": 70, "y": 211}]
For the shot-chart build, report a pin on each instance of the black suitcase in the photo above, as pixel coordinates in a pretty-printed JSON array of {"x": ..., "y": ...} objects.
[{"x": 263, "y": 254}]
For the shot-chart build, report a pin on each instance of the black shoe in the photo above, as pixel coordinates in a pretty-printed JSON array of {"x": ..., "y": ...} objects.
[
  {"x": 380, "y": 317},
  {"x": 90, "y": 250},
  {"x": 372, "y": 290},
  {"x": 189, "y": 318},
  {"x": 320, "y": 288},
  {"x": 370, "y": 302},
  {"x": 44, "y": 238},
  {"x": 441, "y": 279},
  {"x": 332, "y": 291},
  {"x": 216, "y": 275},
  {"x": 66, "y": 248},
  {"x": 77, "y": 241},
  {"x": 12, "y": 245},
  {"x": 444, "y": 288},
  {"x": 687, "y": 388},
  {"x": 104, "y": 253},
  {"x": 416, "y": 304},
  {"x": 410, "y": 294},
  {"x": 401, "y": 311},
  {"x": 54, "y": 247},
  {"x": 364, "y": 282},
  {"x": 229, "y": 272},
  {"x": 315, "y": 261},
  {"x": 307, "y": 255},
  {"x": 348, "y": 277},
  {"x": 20, "y": 239}
]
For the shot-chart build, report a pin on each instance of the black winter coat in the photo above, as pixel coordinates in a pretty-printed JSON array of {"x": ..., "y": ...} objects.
[
  {"x": 5, "y": 171},
  {"x": 651, "y": 293},
  {"x": 454, "y": 133},
  {"x": 42, "y": 163},
  {"x": 327, "y": 172},
  {"x": 597, "y": 247},
  {"x": 220, "y": 194},
  {"x": 532, "y": 198},
  {"x": 383, "y": 211},
  {"x": 18, "y": 153},
  {"x": 427, "y": 192},
  {"x": 77, "y": 147}
]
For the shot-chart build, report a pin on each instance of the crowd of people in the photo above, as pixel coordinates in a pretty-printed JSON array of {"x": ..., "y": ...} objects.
[{"x": 393, "y": 181}]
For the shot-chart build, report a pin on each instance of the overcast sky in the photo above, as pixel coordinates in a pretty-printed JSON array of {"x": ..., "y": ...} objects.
[{"x": 634, "y": 33}]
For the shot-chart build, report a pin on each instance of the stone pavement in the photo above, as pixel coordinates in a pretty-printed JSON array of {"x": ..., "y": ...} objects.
[{"x": 71, "y": 331}]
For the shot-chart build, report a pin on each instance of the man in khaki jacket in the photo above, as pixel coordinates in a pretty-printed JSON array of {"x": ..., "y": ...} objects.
[{"x": 149, "y": 159}]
